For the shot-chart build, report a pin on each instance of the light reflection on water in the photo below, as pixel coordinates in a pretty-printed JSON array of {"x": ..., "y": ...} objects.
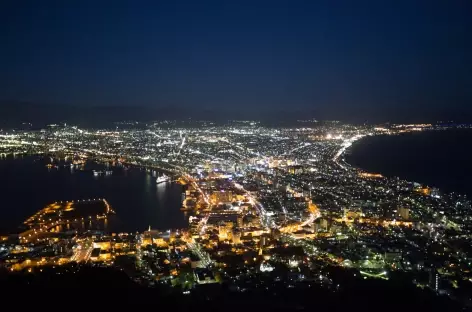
[{"x": 27, "y": 185}]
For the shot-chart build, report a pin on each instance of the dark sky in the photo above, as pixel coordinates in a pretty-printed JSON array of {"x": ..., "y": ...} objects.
[{"x": 331, "y": 55}]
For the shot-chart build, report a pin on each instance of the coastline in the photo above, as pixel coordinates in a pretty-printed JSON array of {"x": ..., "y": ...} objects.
[
  {"x": 434, "y": 157},
  {"x": 138, "y": 203}
]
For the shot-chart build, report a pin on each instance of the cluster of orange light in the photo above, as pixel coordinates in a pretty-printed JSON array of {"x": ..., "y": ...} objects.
[
  {"x": 425, "y": 191},
  {"x": 386, "y": 223},
  {"x": 370, "y": 175}
]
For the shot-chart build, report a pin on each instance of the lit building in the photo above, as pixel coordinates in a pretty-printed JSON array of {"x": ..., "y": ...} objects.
[
  {"x": 221, "y": 196},
  {"x": 323, "y": 225},
  {"x": 435, "y": 193},
  {"x": 155, "y": 237},
  {"x": 236, "y": 237},
  {"x": 434, "y": 279},
  {"x": 352, "y": 213},
  {"x": 225, "y": 230},
  {"x": 404, "y": 213},
  {"x": 104, "y": 256},
  {"x": 103, "y": 245},
  {"x": 226, "y": 216}
]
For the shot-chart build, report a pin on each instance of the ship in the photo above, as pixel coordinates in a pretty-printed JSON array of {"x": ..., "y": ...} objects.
[
  {"x": 97, "y": 173},
  {"x": 162, "y": 179},
  {"x": 100, "y": 173}
]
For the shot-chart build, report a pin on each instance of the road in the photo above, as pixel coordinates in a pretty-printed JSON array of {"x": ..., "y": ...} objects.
[
  {"x": 307, "y": 245},
  {"x": 197, "y": 250},
  {"x": 202, "y": 224},
  {"x": 266, "y": 219},
  {"x": 82, "y": 252},
  {"x": 268, "y": 222}
]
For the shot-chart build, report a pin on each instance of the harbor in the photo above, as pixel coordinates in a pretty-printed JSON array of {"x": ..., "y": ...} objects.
[{"x": 139, "y": 201}]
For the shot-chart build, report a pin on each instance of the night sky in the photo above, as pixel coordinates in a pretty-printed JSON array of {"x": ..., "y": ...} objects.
[{"x": 323, "y": 56}]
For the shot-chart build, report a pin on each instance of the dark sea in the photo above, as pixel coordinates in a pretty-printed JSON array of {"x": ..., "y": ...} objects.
[
  {"x": 441, "y": 159},
  {"x": 27, "y": 185}
]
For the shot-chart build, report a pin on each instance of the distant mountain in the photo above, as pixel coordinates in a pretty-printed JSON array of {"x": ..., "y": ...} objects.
[{"x": 13, "y": 114}]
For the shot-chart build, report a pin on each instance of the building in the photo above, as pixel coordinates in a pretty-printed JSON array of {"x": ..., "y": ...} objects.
[
  {"x": 434, "y": 279},
  {"x": 295, "y": 169},
  {"x": 236, "y": 237},
  {"x": 225, "y": 230},
  {"x": 404, "y": 213},
  {"x": 323, "y": 225},
  {"x": 103, "y": 245},
  {"x": 352, "y": 213},
  {"x": 105, "y": 255},
  {"x": 95, "y": 255},
  {"x": 204, "y": 276},
  {"x": 435, "y": 193},
  {"x": 155, "y": 237},
  {"x": 335, "y": 228},
  {"x": 226, "y": 216},
  {"x": 250, "y": 221},
  {"x": 222, "y": 196}
]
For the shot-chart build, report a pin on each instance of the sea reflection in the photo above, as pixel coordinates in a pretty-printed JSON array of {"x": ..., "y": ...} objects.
[{"x": 28, "y": 185}]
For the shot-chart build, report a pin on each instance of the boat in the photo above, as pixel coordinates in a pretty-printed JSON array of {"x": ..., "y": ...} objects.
[{"x": 162, "y": 179}]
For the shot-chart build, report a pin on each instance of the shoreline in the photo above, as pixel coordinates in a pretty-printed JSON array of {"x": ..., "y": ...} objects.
[
  {"x": 340, "y": 159},
  {"x": 428, "y": 180},
  {"x": 131, "y": 205},
  {"x": 357, "y": 139}
]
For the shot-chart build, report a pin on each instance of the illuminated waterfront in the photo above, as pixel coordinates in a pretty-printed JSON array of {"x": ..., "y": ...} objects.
[
  {"x": 436, "y": 158},
  {"x": 132, "y": 193},
  {"x": 278, "y": 200}
]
